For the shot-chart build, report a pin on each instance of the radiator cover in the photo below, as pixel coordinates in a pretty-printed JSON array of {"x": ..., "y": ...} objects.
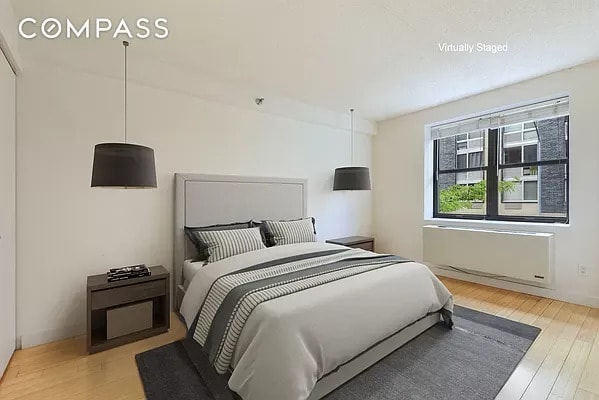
[{"x": 524, "y": 256}]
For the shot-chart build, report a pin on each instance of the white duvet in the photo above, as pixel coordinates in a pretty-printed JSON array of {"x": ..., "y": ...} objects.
[{"x": 290, "y": 342}]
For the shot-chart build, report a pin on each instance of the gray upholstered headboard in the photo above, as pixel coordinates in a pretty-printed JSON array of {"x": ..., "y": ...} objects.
[{"x": 202, "y": 200}]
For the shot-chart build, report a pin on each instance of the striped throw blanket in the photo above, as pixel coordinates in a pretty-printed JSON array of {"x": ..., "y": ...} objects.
[{"x": 233, "y": 297}]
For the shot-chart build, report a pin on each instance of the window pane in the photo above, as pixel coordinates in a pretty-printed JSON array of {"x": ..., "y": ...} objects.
[
  {"x": 462, "y": 145},
  {"x": 474, "y": 176},
  {"x": 530, "y": 135},
  {"x": 512, "y": 138},
  {"x": 512, "y": 155},
  {"x": 512, "y": 128},
  {"x": 464, "y": 178},
  {"x": 511, "y": 191},
  {"x": 530, "y": 190},
  {"x": 476, "y": 144},
  {"x": 462, "y": 137},
  {"x": 475, "y": 159},
  {"x": 475, "y": 135},
  {"x": 530, "y": 171},
  {"x": 462, "y": 161},
  {"x": 511, "y": 173},
  {"x": 530, "y": 153},
  {"x": 542, "y": 193},
  {"x": 455, "y": 197}
]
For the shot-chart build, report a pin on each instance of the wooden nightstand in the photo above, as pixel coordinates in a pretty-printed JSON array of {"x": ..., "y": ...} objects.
[
  {"x": 359, "y": 242},
  {"x": 125, "y": 311}
]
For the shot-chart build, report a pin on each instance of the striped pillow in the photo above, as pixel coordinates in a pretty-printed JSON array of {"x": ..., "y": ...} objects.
[
  {"x": 289, "y": 232},
  {"x": 202, "y": 252},
  {"x": 223, "y": 244}
]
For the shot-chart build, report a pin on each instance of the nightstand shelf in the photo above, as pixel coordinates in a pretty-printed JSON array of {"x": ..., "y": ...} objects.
[
  {"x": 125, "y": 311},
  {"x": 358, "y": 242}
]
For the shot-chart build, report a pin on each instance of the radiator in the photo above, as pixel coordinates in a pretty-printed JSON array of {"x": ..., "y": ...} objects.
[{"x": 523, "y": 256}]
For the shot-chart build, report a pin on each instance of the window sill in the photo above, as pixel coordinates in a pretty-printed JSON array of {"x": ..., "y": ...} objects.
[{"x": 521, "y": 226}]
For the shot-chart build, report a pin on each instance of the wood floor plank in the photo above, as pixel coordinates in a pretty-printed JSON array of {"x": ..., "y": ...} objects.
[
  {"x": 489, "y": 304},
  {"x": 504, "y": 303},
  {"x": 584, "y": 395},
  {"x": 524, "y": 308},
  {"x": 567, "y": 382},
  {"x": 515, "y": 302},
  {"x": 547, "y": 316},
  {"x": 518, "y": 381},
  {"x": 589, "y": 329},
  {"x": 590, "y": 377},
  {"x": 534, "y": 313},
  {"x": 465, "y": 295},
  {"x": 476, "y": 298},
  {"x": 543, "y": 381},
  {"x": 556, "y": 315},
  {"x": 453, "y": 284}
]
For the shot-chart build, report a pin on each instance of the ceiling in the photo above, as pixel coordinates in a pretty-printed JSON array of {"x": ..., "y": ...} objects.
[{"x": 380, "y": 56}]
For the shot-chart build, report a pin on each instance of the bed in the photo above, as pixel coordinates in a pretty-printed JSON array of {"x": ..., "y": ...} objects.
[{"x": 329, "y": 326}]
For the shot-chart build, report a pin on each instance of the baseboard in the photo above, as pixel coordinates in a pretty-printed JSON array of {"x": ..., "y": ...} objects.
[
  {"x": 550, "y": 293},
  {"x": 51, "y": 335}
]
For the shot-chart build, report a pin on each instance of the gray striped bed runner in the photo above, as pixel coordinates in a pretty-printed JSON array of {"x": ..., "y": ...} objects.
[{"x": 232, "y": 298}]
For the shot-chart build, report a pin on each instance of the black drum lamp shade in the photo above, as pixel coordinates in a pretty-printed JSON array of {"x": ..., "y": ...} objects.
[
  {"x": 352, "y": 178},
  {"x": 123, "y": 165}
]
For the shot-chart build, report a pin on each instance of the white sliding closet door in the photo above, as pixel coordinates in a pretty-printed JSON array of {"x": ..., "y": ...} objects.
[{"x": 7, "y": 213}]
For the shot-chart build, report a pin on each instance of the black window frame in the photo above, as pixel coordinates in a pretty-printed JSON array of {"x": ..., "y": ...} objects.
[{"x": 492, "y": 173}]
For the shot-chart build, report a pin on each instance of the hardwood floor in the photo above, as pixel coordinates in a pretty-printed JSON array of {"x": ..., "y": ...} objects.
[
  {"x": 63, "y": 370},
  {"x": 563, "y": 363}
]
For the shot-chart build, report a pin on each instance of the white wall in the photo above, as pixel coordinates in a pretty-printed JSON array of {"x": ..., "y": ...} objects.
[
  {"x": 67, "y": 230},
  {"x": 9, "y": 61},
  {"x": 7, "y": 213},
  {"x": 399, "y": 180},
  {"x": 8, "y": 34}
]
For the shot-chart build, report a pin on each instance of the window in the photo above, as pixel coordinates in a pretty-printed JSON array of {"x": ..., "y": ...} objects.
[{"x": 512, "y": 166}]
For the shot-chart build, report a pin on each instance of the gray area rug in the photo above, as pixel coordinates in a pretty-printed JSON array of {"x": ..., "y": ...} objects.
[{"x": 471, "y": 362}]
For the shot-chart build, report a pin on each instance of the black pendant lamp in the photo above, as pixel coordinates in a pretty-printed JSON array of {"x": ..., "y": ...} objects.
[
  {"x": 352, "y": 178},
  {"x": 124, "y": 165}
]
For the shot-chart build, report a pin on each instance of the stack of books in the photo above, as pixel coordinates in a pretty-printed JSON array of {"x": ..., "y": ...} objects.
[{"x": 133, "y": 271}]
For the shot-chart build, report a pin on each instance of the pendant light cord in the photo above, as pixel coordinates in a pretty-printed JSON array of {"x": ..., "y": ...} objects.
[
  {"x": 351, "y": 110},
  {"x": 125, "y": 45}
]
